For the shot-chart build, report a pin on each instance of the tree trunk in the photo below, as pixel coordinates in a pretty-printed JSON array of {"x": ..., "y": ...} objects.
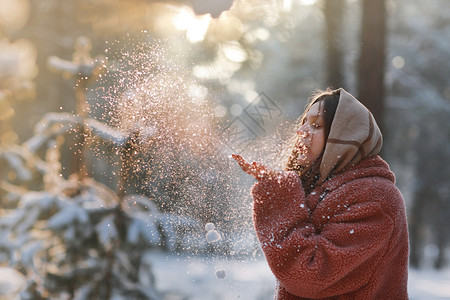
[
  {"x": 372, "y": 57},
  {"x": 333, "y": 11},
  {"x": 416, "y": 226}
]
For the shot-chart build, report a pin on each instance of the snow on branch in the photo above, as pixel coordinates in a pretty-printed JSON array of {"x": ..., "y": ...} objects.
[{"x": 54, "y": 124}]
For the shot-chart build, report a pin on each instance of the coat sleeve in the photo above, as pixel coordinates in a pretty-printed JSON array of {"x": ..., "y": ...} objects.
[{"x": 330, "y": 250}]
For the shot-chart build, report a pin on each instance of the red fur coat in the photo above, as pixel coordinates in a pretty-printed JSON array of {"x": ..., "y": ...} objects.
[{"x": 347, "y": 239}]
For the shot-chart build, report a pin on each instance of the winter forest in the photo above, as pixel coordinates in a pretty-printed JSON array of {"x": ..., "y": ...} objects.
[{"x": 119, "y": 117}]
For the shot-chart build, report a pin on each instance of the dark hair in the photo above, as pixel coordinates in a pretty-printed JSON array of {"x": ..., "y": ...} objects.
[{"x": 330, "y": 100}]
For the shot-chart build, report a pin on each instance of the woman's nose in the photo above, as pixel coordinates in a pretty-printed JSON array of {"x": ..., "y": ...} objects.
[{"x": 302, "y": 129}]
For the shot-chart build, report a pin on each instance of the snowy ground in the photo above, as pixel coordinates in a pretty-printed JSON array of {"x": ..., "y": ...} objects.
[{"x": 182, "y": 277}]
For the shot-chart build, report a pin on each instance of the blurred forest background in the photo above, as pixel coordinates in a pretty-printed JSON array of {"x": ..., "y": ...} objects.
[{"x": 117, "y": 118}]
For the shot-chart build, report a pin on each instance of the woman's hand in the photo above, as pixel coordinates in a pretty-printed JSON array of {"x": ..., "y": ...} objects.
[{"x": 254, "y": 169}]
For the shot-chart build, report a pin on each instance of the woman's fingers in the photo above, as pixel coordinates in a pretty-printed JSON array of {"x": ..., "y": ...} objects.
[
  {"x": 245, "y": 166},
  {"x": 238, "y": 158},
  {"x": 254, "y": 169}
]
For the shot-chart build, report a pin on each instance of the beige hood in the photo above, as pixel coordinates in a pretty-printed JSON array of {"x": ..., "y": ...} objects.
[{"x": 354, "y": 135}]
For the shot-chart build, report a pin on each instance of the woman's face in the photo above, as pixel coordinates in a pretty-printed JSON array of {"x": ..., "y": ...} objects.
[{"x": 311, "y": 136}]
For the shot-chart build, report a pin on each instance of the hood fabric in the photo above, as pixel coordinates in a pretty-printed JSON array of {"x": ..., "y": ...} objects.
[{"x": 354, "y": 135}]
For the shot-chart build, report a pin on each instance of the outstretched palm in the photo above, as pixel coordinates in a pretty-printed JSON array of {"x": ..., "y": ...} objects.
[{"x": 255, "y": 169}]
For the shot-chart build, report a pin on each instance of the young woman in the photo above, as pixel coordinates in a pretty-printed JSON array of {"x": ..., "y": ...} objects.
[{"x": 333, "y": 224}]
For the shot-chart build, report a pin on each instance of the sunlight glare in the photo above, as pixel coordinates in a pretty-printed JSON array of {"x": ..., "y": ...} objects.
[
  {"x": 308, "y": 2},
  {"x": 14, "y": 14},
  {"x": 183, "y": 18},
  {"x": 287, "y": 5},
  {"x": 195, "y": 26},
  {"x": 196, "y": 32},
  {"x": 234, "y": 52}
]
